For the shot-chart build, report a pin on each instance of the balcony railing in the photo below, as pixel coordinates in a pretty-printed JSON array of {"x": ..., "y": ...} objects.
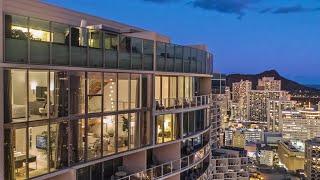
[
  {"x": 181, "y": 103},
  {"x": 171, "y": 167}
]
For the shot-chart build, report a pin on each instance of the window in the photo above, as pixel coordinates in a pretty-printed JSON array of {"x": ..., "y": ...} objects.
[
  {"x": 59, "y": 86},
  {"x": 79, "y": 43},
  {"x": 125, "y": 51},
  {"x": 111, "y": 42},
  {"x": 59, "y": 145},
  {"x": 77, "y": 92},
  {"x": 39, "y": 30},
  {"x": 145, "y": 128},
  {"x": 123, "y": 91},
  {"x": 134, "y": 130},
  {"x": 60, "y": 44},
  {"x": 16, "y": 32},
  {"x": 110, "y": 92},
  {"x": 94, "y": 138},
  {"x": 109, "y": 135},
  {"x": 95, "y": 51},
  {"x": 167, "y": 128},
  {"x": 38, "y": 95},
  {"x": 78, "y": 139},
  {"x": 17, "y": 93},
  {"x": 94, "y": 92},
  {"x": 38, "y": 150},
  {"x": 148, "y": 47},
  {"x": 173, "y": 90},
  {"x": 135, "y": 91},
  {"x": 123, "y": 132},
  {"x": 161, "y": 56},
  {"x": 136, "y": 53}
]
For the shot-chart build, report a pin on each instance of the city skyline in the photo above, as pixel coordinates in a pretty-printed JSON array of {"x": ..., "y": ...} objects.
[{"x": 272, "y": 34}]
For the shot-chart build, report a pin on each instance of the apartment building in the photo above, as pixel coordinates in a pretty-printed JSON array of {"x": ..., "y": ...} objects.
[
  {"x": 269, "y": 84},
  {"x": 312, "y": 153},
  {"x": 229, "y": 163},
  {"x": 300, "y": 124},
  {"x": 240, "y": 96},
  {"x": 88, "y": 98},
  {"x": 290, "y": 156}
]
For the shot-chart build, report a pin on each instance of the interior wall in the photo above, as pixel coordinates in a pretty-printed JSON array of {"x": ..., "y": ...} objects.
[{"x": 18, "y": 86}]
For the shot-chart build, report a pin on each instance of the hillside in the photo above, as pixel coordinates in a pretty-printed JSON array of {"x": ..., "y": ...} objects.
[{"x": 287, "y": 85}]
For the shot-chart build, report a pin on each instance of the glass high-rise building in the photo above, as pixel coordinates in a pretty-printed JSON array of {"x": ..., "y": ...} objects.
[{"x": 88, "y": 98}]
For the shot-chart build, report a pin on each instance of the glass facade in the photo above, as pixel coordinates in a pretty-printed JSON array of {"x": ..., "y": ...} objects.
[
  {"x": 56, "y": 118},
  {"x": 36, "y": 41}
]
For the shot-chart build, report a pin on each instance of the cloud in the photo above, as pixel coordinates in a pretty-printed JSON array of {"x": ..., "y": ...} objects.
[
  {"x": 162, "y": 1},
  {"x": 240, "y": 7},
  {"x": 289, "y": 9},
  {"x": 225, "y": 6}
]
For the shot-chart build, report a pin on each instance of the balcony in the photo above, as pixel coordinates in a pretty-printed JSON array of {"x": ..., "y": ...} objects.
[
  {"x": 169, "y": 104},
  {"x": 169, "y": 168}
]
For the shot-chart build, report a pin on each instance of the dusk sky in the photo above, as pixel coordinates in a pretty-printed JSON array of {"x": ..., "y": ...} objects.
[{"x": 246, "y": 36}]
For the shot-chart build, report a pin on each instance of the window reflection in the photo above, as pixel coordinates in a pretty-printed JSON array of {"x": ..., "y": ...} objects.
[
  {"x": 94, "y": 92},
  {"x": 94, "y": 138},
  {"x": 77, "y": 92},
  {"x": 78, "y": 139},
  {"x": 123, "y": 132},
  {"x": 38, "y": 150},
  {"x": 58, "y": 105},
  {"x": 123, "y": 93},
  {"x": 110, "y": 92},
  {"x": 109, "y": 128},
  {"x": 38, "y": 95}
]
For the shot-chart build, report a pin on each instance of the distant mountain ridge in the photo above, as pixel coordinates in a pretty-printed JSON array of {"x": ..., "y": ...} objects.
[{"x": 286, "y": 84}]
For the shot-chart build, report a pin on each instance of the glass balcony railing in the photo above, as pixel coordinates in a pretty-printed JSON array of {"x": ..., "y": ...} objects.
[
  {"x": 171, "y": 167},
  {"x": 181, "y": 103},
  {"x": 34, "y": 41}
]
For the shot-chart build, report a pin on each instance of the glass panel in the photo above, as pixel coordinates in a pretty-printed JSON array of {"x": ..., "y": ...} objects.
[
  {"x": 173, "y": 91},
  {"x": 168, "y": 128},
  {"x": 78, "y": 139},
  {"x": 39, "y": 30},
  {"x": 135, "y": 91},
  {"x": 134, "y": 131},
  {"x": 185, "y": 124},
  {"x": 110, "y": 91},
  {"x": 16, "y": 42},
  {"x": 165, "y": 88},
  {"x": 123, "y": 91},
  {"x": 79, "y": 41},
  {"x": 59, "y": 145},
  {"x": 186, "y": 58},
  {"x": 95, "y": 50},
  {"x": 136, "y": 53},
  {"x": 146, "y": 90},
  {"x": 83, "y": 173},
  {"x": 170, "y": 57},
  {"x": 148, "y": 47},
  {"x": 187, "y": 87},
  {"x": 158, "y": 87},
  {"x": 94, "y": 138},
  {"x": 161, "y": 56},
  {"x": 18, "y": 147},
  {"x": 124, "y": 50},
  {"x": 77, "y": 92},
  {"x": 178, "y": 59},
  {"x": 59, "y": 86},
  {"x": 145, "y": 129},
  {"x": 123, "y": 132},
  {"x": 191, "y": 122},
  {"x": 109, "y": 143},
  {"x": 111, "y": 41},
  {"x": 160, "y": 130},
  {"x": 96, "y": 171},
  {"x": 180, "y": 86},
  {"x": 94, "y": 92},
  {"x": 38, "y": 150},
  {"x": 60, "y": 44},
  {"x": 38, "y": 95},
  {"x": 18, "y": 95},
  {"x": 111, "y": 46}
]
